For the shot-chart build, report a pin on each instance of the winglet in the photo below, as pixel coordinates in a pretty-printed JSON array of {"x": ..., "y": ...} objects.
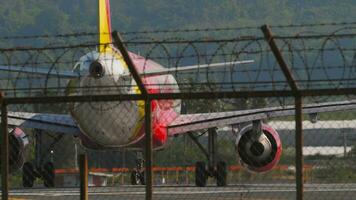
[{"x": 104, "y": 26}]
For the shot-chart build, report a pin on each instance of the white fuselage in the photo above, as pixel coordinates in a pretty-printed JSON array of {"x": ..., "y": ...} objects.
[{"x": 120, "y": 123}]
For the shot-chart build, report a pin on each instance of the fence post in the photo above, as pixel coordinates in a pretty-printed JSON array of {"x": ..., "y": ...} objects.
[
  {"x": 83, "y": 171},
  {"x": 144, "y": 92},
  {"x": 148, "y": 150},
  {"x": 298, "y": 109},
  {"x": 278, "y": 55},
  {"x": 299, "y": 146},
  {"x": 4, "y": 150},
  {"x": 125, "y": 55}
]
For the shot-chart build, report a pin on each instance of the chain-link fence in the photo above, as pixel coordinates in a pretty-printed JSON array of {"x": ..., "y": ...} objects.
[{"x": 233, "y": 117}]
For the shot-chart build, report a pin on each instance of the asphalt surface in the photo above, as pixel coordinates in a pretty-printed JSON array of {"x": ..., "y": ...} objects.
[{"x": 232, "y": 192}]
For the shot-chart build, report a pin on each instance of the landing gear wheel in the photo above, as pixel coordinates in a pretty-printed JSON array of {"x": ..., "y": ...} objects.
[
  {"x": 48, "y": 175},
  {"x": 221, "y": 174},
  {"x": 200, "y": 174},
  {"x": 137, "y": 178},
  {"x": 28, "y": 175}
]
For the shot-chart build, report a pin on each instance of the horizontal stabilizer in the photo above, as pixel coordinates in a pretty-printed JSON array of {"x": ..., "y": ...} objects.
[{"x": 164, "y": 71}]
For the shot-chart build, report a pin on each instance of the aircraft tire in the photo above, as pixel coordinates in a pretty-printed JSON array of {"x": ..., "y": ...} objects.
[
  {"x": 200, "y": 174},
  {"x": 28, "y": 175},
  {"x": 221, "y": 174},
  {"x": 48, "y": 175}
]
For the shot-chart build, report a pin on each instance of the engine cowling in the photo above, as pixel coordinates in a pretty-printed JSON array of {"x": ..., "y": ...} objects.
[
  {"x": 258, "y": 152},
  {"x": 18, "y": 140}
]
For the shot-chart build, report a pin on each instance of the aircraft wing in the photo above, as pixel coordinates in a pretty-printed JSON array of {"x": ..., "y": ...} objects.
[
  {"x": 192, "y": 122},
  {"x": 46, "y": 71},
  {"x": 182, "y": 124},
  {"x": 49, "y": 122}
]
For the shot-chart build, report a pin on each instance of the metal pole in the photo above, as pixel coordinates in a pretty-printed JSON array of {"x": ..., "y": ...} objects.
[
  {"x": 298, "y": 109},
  {"x": 4, "y": 150},
  {"x": 278, "y": 55},
  {"x": 148, "y": 150},
  {"x": 135, "y": 74},
  {"x": 144, "y": 93},
  {"x": 83, "y": 170},
  {"x": 299, "y": 146},
  {"x": 212, "y": 137}
]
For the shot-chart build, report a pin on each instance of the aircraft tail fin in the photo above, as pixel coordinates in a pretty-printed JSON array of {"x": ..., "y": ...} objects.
[{"x": 104, "y": 26}]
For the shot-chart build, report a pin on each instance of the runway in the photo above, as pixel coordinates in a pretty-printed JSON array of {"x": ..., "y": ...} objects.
[{"x": 232, "y": 192}]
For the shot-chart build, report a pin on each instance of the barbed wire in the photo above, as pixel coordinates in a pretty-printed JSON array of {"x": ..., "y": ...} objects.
[
  {"x": 317, "y": 60},
  {"x": 314, "y": 24}
]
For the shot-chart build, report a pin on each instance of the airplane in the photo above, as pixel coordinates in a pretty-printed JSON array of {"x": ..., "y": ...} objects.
[{"x": 258, "y": 145}]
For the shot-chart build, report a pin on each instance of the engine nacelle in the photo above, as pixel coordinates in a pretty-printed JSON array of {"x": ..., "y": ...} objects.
[
  {"x": 258, "y": 152},
  {"x": 18, "y": 140}
]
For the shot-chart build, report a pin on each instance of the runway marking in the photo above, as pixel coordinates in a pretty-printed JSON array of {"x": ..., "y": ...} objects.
[
  {"x": 187, "y": 193},
  {"x": 258, "y": 189}
]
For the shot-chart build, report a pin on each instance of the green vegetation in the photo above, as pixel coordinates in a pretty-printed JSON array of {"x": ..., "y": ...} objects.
[{"x": 28, "y": 17}]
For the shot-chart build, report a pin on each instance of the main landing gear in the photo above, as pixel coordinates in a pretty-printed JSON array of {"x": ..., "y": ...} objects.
[
  {"x": 46, "y": 173},
  {"x": 217, "y": 170},
  {"x": 42, "y": 169}
]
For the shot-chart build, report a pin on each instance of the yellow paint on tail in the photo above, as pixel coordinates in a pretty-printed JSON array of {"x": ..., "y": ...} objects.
[{"x": 104, "y": 26}]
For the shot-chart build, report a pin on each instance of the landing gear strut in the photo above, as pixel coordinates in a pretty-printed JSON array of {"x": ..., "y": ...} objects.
[{"x": 217, "y": 170}]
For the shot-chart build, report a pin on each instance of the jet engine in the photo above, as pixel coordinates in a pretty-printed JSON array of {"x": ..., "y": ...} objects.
[
  {"x": 258, "y": 149},
  {"x": 18, "y": 140}
]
